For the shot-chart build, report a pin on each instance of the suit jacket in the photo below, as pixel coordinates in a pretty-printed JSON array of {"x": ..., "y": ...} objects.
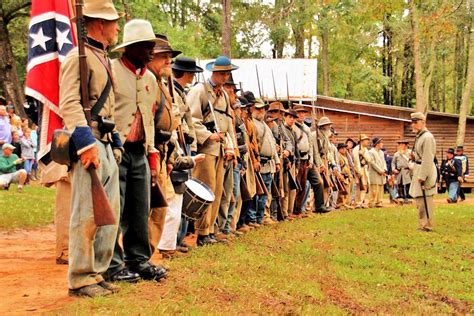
[{"x": 424, "y": 151}]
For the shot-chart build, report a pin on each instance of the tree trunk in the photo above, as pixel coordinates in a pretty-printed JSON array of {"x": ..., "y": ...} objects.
[
  {"x": 466, "y": 95},
  {"x": 443, "y": 95},
  {"x": 8, "y": 74},
  {"x": 325, "y": 60},
  {"x": 420, "y": 96},
  {"x": 226, "y": 28},
  {"x": 387, "y": 61},
  {"x": 298, "y": 33}
]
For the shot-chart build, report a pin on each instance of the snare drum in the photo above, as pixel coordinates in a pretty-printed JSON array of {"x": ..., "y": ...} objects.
[{"x": 196, "y": 199}]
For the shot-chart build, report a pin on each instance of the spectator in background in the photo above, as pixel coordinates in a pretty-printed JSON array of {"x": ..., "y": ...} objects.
[
  {"x": 451, "y": 170},
  {"x": 16, "y": 124},
  {"x": 465, "y": 168},
  {"x": 34, "y": 139},
  {"x": 8, "y": 169},
  {"x": 5, "y": 127},
  {"x": 27, "y": 152},
  {"x": 16, "y": 143}
]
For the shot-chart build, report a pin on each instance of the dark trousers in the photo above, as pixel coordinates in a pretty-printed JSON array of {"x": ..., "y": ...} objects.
[
  {"x": 134, "y": 177},
  {"x": 318, "y": 187},
  {"x": 461, "y": 193},
  {"x": 301, "y": 177},
  {"x": 243, "y": 213}
]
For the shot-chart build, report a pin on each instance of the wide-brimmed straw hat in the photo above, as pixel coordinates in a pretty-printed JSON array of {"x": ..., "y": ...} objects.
[
  {"x": 222, "y": 63},
  {"x": 136, "y": 31},
  {"x": 100, "y": 9}
]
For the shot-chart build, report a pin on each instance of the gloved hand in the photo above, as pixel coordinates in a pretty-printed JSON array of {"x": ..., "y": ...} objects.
[
  {"x": 90, "y": 156},
  {"x": 117, "y": 155}
]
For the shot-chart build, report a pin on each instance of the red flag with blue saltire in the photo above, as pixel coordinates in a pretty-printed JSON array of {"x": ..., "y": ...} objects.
[{"x": 50, "y": 38}]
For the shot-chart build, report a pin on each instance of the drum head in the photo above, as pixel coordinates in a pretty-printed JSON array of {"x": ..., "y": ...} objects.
[{"x": 200, "y": 189}]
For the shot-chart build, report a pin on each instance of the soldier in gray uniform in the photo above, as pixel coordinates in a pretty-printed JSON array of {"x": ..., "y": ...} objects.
[
  {"x": 305, "y": 162},
  {"x": 423, "y": 185},
  {"x": 402, "y": 169}
]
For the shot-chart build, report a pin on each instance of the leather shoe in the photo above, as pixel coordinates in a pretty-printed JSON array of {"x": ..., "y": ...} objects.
[
  {"x": 205, "y": 240},
  {"x": 123, "y": 275},
  {"x": 93, "y": 290},
  {"x": 182, "y": 249},
  {"x": 61, "y": 260},
  {"x": 152, "y": 272},
  {"x": 254, "y": 225},
  {"x": 109, "y": 286}
]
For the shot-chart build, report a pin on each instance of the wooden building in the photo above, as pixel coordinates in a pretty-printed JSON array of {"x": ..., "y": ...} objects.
[{"x": 392, "y": 123}]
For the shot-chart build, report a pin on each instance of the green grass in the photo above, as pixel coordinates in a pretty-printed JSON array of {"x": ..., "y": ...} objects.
[
  {"x": 32, "y": 208},
  {"x": 365, "y": 261},
  {"x": 344, "y": 262}
]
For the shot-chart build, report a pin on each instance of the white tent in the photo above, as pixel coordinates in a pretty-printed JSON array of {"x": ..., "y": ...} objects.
[{"x": 302, "y": 76}]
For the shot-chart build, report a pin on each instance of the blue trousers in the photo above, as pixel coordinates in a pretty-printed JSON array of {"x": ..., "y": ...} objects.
[{"x": 257, "y": 208}]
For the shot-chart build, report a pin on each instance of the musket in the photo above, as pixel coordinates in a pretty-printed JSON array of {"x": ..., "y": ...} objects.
[
  {"x": 274, "y": 87},
  {"x": 258, "y": 81},
  {"x": 241, "y": 86},
  {"x": 288, "y": 91},
  {"x": 103, "y": 213}
]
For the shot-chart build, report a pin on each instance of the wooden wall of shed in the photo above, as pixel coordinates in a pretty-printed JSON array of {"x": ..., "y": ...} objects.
[
  {"x": 445, "y": 130},
  {"x": 350, "y": 125}
]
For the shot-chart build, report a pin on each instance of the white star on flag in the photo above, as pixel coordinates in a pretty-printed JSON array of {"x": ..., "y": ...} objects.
[
  {"x": 39, "y": 39},
  {"x": 61, "y": 38}
]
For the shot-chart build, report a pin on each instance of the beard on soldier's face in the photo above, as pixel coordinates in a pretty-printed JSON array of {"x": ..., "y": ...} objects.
[{"x": 165, "y": 72}]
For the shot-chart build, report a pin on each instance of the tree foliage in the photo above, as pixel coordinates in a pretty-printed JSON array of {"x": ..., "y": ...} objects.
[{"x": 365, "y": 47}]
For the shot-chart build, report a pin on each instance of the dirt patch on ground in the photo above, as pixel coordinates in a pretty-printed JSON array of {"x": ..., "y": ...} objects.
[{"x": 31, "y": 281}]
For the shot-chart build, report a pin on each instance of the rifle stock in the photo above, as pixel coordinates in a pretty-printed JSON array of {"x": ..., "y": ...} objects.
[{"x": 103, "y": 213}]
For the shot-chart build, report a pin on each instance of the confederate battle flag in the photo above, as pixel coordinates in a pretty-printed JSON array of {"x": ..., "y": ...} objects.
[{"x": 50, "y": 39}]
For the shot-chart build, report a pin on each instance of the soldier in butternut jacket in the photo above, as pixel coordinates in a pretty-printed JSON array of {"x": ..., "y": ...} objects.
[
  {"x": 211, "y": 110},
  {"x": 377, "y": 173},
  {"x": 91, "y": 247}
]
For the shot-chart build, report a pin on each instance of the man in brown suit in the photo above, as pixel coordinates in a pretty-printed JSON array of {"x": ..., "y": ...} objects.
[{"x": 211, "y": 110}]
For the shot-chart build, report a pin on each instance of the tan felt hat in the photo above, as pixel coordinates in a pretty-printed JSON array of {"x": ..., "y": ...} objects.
[
  {"x": 136, "y": 31},
  {"x": 101, "y": 9},
  {"x": 363, "y": 137},
  {"x": 324, "y": 121},
  {"x": 418, "y": 116}
]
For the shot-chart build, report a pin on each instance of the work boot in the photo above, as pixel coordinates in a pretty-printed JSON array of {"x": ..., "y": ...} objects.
[
  {"x": 93, "y": 290},
  {"x": 204, "y": 240},
  {"x": 109, "y": 286}
]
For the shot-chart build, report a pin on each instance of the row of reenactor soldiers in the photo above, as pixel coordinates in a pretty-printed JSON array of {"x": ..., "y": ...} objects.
[{"x": 251, "y": 163}]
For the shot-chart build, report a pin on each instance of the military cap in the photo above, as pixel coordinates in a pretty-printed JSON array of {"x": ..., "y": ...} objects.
[
  {"x": 243, "y": 102},
  {"x": 291, "y": 112},
  {"x": 222, "y": 63},
  {"x": 417, "y": 116},
  {"x": 100, "y": 9},
  {"x": 301, "y": 108},
  {"x": 403, "y": 141},
  {"x": 276, "y": 106},
  {"x": 450, "y": 151},
  {"x": 363, "y": 137},
  {"x": 376, "y": 140},
  {"x": 459, "y": 148},
  {"x": 185, "y": 64},
  {"x": 136, "y": 31},
  {"x": 324, "y": 121},
  {"x": 163, "y": 46},
  {"x": 350, "y": 140},
  {"x": 249, "y": 96},
  {"x": 341, "y": 145},
  {"x": 259, "y": 103}
]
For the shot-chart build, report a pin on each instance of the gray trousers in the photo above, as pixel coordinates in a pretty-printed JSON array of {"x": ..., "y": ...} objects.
[
  {"x": 91, "y": 247},
  {"x": 423, "y": 221},
  {"x": 225, "y": 200}
]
